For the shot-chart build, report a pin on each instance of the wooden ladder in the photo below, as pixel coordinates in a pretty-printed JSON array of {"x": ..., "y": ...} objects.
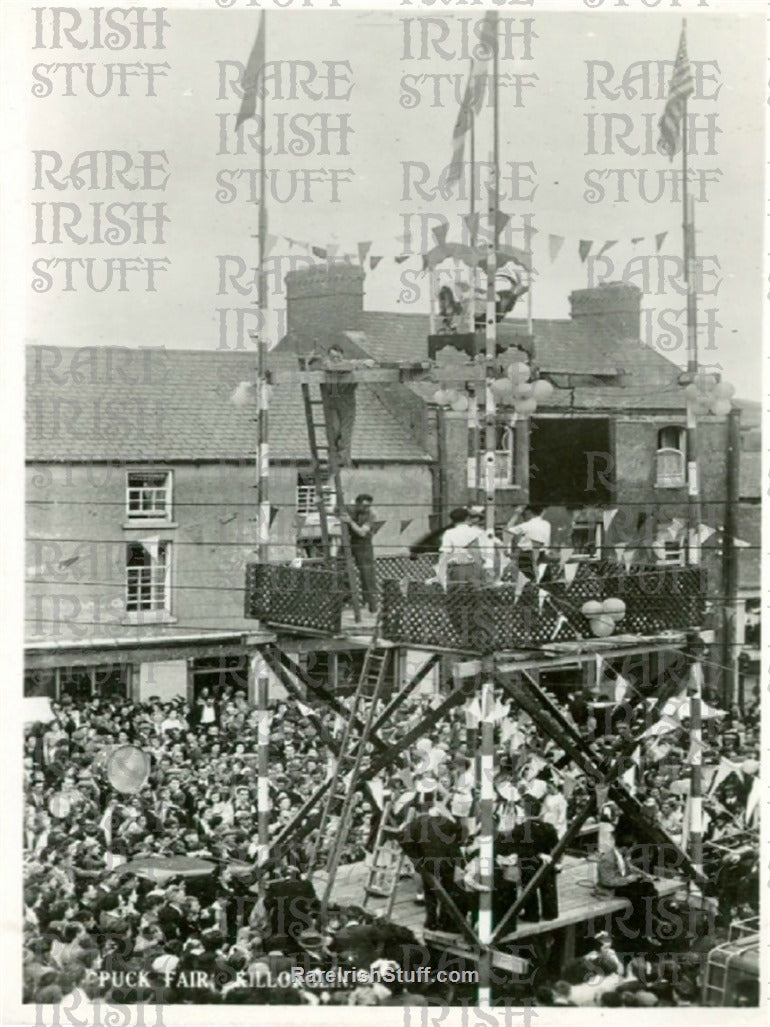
[
  {"x": 323, "y": 455},
  {"x": 385, "y": 867},
  {"x": 343, "y": 786}
]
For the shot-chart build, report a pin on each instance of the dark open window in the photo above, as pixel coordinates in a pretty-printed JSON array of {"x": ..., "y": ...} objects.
[{"x": 571, "y": 461}]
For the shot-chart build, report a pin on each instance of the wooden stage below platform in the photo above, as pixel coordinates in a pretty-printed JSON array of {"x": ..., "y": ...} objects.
[{"x": 578, "y": 904}]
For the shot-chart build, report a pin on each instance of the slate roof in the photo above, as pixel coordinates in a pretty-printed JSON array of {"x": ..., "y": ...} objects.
[{"x": 174, "y": 405}]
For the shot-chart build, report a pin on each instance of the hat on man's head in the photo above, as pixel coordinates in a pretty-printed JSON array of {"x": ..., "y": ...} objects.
[{"x": 477, "y": 510}]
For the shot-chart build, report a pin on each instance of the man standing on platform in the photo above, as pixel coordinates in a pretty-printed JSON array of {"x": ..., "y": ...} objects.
[
  {"x": 532, "y": 841},
  {"x": 530, "y": 536},
  {"x": 359, "y": 520},
  {"x": 433, "y": 840}
]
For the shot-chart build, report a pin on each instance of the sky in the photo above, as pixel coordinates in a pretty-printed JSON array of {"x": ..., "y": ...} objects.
[{"x": 546, "y": 133}]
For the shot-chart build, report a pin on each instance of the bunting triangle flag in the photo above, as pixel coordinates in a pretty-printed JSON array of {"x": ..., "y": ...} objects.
[
  {"x": 659, "y": 240},
  {"x": 724, "y": 770},
  {"x": 621, "y": 688},
  {"x": 584, "y": 248},
  {"x": 319, "y": 251},
  {"x": 331, "y": 250},
  {"x": 273, "y": 514},
  {"x": 570, "y": 570},
  {"x": 628, "y": 557},
  {"x": 619, "y": 550},
  {"x": 608, "y": 517},
  {"x": 564, "y": 554},
  {"x": 541, "y": 598},
  {"x": 473, "y": 713},
  {"x": 637, "y": 239},
  {"x": 400, "y": 260},
  {"x": 375, "y": 527},
  {"x": 705, "y": 532},
  {"x": 373, "y": 262},
  {"x": 607, "y": 246},
  {"x": 440, "y": 233},
  {"x": 555, "y": 243},
  {"x": 472, "y": 222},
  {"x": 405, "y": 524},
  {"x": 377, "y": 792},
  {"x": 752, "y": 802},
  {"x": 521, "y": 582},
  {"x": 541, "y": 569},
  {"x": 501, "y": 220},
  {"x": 363, "y": 252},
  {"x": 488, "y": 705},
  {"x": 270, "y": 241}
]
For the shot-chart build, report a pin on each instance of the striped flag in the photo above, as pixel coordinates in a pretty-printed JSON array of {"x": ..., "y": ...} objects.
[
  {"x": 681, "y": 87},
  {"x": 251, "y": 75},
  {"x": 474, "y": 95}
]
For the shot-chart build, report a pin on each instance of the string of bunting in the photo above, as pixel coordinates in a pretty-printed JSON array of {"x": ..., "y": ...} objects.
[{"x": 329, "y": 251}]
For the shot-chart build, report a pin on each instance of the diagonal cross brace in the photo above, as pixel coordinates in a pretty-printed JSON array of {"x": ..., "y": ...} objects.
[{"x": 550, "y": 719}]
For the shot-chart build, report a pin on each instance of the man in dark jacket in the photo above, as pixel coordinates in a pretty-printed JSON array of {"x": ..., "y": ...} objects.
[
  {"x": 532, "y": 841},
  {"x": 432, "y": 840}
]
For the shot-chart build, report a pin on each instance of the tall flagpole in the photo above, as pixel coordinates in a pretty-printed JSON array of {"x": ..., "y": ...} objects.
[
  {"x": 263, "y": 473},
  {"x": 486, "y": 763},
  {"x": 473, "y": 404},
  {"x": 263, "y": 388},
  {"x": 693, "y": 486}
]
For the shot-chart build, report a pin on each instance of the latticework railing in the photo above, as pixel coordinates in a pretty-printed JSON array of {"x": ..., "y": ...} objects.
[
  {"x": 503, "y": 617},
  {"x": 302, "y": 597},
  {"x": 466, "y": 617}
]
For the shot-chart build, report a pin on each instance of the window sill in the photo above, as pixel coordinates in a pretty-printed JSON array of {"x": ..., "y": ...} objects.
[
  {"x": 669, "y": 487},
  {"x": 149, "y": 617},
  {"x": 149, "y": 522}
]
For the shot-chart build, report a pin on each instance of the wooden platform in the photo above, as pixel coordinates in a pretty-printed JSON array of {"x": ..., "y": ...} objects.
[{"x": 578, "y": 903}]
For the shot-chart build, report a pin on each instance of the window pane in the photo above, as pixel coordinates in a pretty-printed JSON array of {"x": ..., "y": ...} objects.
[{"x": 148, "y": 493}]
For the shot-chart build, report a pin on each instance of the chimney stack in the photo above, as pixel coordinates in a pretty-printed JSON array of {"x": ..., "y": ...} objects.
[
  {"x": 613, "y": 309},
  {"x": 324, "y": 299}
]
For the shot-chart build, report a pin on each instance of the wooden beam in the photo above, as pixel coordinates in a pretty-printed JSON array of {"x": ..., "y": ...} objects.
[
  {"x": 406, "y": 691},
  {"x": 326, "y": 696},
  {"x": 564, "y": 842},
  {"x": 381, "y": 374},
  {"x": 455, "y": 697}
]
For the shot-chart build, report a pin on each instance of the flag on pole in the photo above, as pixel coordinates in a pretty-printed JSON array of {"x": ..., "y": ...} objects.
[
  {"x": 474, "y": 94},
  {"x": 251, "y": 75},
  {"x": 469, "y": 108},
  {"x": 670, "y": 125}
]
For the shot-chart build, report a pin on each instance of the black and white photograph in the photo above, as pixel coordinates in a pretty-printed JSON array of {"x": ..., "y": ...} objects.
[{"x": 382, "y": 471}]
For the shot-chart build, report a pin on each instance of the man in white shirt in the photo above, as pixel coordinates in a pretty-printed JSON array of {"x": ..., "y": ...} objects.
[
  {"x": 457, "y": 560},
  {"x": 492, "y": 550},
  {"x": 531, "y": 536},
  {"x": 460, "y": 535},
  {"x": 532, "y": 532},
  {"x": 554, "y": 810}
]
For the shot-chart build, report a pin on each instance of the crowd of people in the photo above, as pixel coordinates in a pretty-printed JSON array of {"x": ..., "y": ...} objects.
[{"x": 94, "y": 913}]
